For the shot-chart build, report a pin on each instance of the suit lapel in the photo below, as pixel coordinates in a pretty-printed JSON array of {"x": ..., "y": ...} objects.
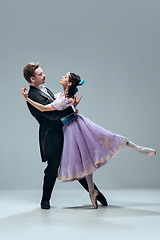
[
  {"x": 50, "y": 93},
  {"x": 50, "y": 99}
]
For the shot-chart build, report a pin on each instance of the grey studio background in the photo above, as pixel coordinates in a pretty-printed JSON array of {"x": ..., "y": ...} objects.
[{"x": 114, "y": 46}]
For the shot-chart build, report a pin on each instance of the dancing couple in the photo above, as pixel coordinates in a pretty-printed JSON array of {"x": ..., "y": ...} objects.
[{"x": 73, "y": 146}]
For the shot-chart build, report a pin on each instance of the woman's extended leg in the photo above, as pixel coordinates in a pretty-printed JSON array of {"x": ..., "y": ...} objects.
[
  {"x": 144, "y": 150},
  {"x": 92, "y": 192}
]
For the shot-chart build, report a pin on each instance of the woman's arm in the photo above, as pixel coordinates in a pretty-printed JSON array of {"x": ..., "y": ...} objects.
[
  {"x": 41, "y": 107},
  {"x": 48, "y": 107}
]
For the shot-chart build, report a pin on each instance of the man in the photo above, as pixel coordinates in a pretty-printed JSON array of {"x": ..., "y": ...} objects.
[{"x": 50, "y": 132}]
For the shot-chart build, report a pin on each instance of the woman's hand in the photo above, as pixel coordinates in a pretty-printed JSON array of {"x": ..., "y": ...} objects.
[
  {"x": 76, "y": 100},
  {"x": 24, "y": 92}
]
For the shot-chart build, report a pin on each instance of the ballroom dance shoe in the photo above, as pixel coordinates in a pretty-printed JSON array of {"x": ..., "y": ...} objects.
[
  {"x": 102, "y": 199},
  {"x": 146, "y": 151},
  {"x": 45, "y": 205}
]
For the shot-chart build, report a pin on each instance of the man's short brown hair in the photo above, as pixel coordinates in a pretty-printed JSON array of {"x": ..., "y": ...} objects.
[{"x": 29, "y": 70}]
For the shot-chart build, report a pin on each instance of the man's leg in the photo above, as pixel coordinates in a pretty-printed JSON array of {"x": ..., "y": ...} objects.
[
  {"x": 100, "y": 196},
  {"x": 50, "y": 176},
  {"x": 54, "y": 144}
]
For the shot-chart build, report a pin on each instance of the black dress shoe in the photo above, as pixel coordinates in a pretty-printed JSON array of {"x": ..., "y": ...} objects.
[
  {"x": 45, "y": 205},
  {"x": 102, "y": 199}
]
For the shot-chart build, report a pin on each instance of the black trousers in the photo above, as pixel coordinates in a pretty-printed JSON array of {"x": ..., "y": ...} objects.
[{"x": 53, "y": 150}]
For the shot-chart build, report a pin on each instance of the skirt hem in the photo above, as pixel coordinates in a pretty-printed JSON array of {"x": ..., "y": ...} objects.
[{"x": 98, "y": 163}]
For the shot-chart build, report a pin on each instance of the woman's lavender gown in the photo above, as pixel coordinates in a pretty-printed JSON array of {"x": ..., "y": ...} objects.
[{"x": 87, "y": 146}]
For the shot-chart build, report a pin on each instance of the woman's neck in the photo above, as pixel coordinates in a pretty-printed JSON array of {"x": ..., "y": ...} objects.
[{"x": 65, "y": 91}]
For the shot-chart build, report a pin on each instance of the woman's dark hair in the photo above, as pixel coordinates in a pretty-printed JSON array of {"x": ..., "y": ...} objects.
[{"x": 75, "y": 80}]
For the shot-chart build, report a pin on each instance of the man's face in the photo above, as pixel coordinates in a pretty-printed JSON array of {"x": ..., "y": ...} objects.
[{"x": 39, "y": 78}]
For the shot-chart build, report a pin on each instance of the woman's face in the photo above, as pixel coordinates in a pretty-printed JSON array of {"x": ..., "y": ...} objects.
[{"x": 65, "y": 80}]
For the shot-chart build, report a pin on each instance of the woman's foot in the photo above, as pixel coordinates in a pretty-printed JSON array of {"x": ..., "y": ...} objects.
[
  {"x": 144, "y": 150},
  {"x": 93, "y": 196}
]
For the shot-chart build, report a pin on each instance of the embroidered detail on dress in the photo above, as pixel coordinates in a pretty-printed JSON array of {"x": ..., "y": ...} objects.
[
  {"x": 99, "y": 162},
  {"x": 106, "y": 142},
  {"x": 61, "y": 103},
  {"x": 58, "y": 104}
]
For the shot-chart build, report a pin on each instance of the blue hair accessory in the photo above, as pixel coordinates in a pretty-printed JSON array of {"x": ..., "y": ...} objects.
[
  {"x": 81, "y": 82},
  {"x": 75, "y": 90}
]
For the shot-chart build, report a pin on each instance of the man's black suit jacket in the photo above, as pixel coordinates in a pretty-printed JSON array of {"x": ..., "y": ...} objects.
[{"x": 48, "y": 120}]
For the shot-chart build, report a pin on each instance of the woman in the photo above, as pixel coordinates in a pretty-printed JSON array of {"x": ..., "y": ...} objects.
[{"x": 87, "y": 146}]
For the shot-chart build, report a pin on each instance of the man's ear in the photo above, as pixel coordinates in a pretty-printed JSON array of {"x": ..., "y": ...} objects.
[{"x": 32, "y": 79}]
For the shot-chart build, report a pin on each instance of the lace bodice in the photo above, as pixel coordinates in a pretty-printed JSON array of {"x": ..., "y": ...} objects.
[{"x": 60, "y": 103}]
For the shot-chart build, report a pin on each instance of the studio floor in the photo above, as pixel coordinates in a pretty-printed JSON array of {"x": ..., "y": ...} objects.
[{"x": 133, "y": 213}]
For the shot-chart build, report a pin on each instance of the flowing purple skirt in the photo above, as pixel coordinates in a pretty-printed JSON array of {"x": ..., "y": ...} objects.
[{"x": 87, "y": 146}]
